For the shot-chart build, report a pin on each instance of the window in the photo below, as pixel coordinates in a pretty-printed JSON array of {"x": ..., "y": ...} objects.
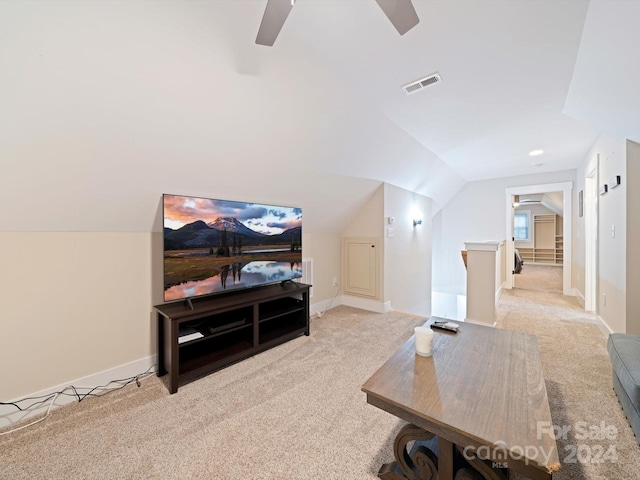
[{"x": 522, "y": 226}]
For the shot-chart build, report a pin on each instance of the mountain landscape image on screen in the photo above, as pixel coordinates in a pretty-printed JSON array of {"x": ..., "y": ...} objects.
[{"x": 211, "y": 246}]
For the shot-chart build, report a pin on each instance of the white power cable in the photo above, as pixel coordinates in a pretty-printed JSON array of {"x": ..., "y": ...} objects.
[
  {"x": 320, "y": 314},
  {"x": 40, "y": 419}
]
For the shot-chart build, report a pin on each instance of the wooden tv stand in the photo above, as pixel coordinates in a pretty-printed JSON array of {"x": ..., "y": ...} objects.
[{"x": 229, "y": 327}]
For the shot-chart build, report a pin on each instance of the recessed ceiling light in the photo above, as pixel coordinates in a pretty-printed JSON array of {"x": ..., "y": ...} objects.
[{"x": 535, "y": 153}]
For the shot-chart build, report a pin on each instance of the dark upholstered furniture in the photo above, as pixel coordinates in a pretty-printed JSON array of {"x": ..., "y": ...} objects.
[
  {"x": 517, "y": 267},
  {"x": 624, "y": 351}
]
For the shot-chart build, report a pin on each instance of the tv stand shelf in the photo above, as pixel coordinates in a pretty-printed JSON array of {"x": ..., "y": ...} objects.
[{"x": 227, "y": 328}]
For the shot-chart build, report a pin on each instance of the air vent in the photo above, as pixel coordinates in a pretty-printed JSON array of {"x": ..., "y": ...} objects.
[
  {"x": 421, "y": 84},
  {"x": 307, "y": 274}
]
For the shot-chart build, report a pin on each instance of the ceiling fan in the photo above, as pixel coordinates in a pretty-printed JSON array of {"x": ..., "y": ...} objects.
[
  {"x": 400, "y": 12},
  {"x": 518, "y": 201}
]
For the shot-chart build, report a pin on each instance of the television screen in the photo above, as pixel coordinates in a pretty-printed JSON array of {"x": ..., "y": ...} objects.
[{"x": 214, "y": 246}]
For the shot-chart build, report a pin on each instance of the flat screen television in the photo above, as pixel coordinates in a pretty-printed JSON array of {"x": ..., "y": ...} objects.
[{"x": 215, "y": 246}]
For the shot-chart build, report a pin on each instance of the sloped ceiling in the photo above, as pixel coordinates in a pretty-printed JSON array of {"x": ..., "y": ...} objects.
[
  {"x": 505, "y": 67},
  {"x": 107, "y": 105},
  {"x": 605, "y": 89}
]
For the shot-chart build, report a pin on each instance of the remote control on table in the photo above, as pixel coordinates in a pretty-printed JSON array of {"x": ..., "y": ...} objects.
[{"x": 449, "y": 326}]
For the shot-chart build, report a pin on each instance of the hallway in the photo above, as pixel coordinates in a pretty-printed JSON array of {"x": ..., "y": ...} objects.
[{"x": 541, "y": 278}]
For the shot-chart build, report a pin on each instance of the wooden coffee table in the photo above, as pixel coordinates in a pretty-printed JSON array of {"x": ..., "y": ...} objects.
[{"x": 474, "y": 407}]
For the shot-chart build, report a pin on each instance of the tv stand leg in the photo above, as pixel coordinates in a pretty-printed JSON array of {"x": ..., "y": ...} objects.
[
  {"x": 188, "y": 304},
  {"x": 161, "y": 370}
]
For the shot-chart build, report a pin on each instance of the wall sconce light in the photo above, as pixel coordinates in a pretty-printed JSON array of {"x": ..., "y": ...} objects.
[{"x": 416, "y": 215}]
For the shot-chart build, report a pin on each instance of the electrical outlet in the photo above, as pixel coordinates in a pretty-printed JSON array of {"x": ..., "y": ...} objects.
[{"x": 334, "y": 281}]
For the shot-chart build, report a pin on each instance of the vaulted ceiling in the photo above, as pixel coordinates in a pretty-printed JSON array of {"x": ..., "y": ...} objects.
[
  {"x": 106, "y": 105},
  {"x": 507, "y": 69}
]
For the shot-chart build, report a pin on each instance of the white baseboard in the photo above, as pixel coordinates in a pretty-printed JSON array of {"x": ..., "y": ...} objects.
[
  {"x": 604, "y": 326},
  {"x": 499, "y": 292},
  {"x": 476, "y": 322},
  {"x": 321, "y": 307},
  {"x": 366, "y": 304},
  {"x": 576, "y": 293},
  {"x": 9, "y": 415}
]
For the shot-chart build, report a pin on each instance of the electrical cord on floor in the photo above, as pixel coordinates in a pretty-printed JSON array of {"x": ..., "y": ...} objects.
[
  {"x": 93, "y": 392},
  {"x": 320, "y": 314}
]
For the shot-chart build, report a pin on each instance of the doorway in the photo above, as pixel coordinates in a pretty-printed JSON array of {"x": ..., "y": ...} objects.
[
  {"x": 510, "y": 194},
  {"x": 539, "y": 241}
]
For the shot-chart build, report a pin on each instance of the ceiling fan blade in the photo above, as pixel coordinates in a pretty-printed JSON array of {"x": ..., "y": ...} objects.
[
  {"x": 401, "y": 13},
  {"x": 273, "y": 19}
]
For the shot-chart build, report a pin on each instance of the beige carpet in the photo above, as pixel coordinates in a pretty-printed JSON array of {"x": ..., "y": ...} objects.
[
  {"x": 577, "y": 374},
  {"x": 542, "y": 278},
  {"x": 297, "y": 412}
]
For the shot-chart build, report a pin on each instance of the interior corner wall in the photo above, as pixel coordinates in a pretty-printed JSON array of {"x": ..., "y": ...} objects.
[
  {"x": 407, "y": 251},
  {"x": 369, "y": 223},
  {"x": 633, "y": 238},
  {"x": 324, "y": 249},
  {"x": 75, "y": 304}
]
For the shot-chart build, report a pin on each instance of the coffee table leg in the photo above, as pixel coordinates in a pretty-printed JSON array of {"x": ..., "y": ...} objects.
[
  {"x": 445, "y": 459},
  {"x": 421, "y": 464},
  {"x": 481, "y": 468}
]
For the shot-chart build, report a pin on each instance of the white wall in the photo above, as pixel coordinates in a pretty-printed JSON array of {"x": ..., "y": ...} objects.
[
  {"x": 324, "y": 249},
  {"x": 612, "y": 266},
  {"x": 407, "y": 254},
  {"x": 612, "y": 210},
  {"x": 475, "y": 214},
  {"x": 73, "y": 304}
]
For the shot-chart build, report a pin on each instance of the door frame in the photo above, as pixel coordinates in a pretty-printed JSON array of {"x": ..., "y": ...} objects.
[
  {"x": 566, "y": 188},
  {"x": 591, "y": 238}
]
